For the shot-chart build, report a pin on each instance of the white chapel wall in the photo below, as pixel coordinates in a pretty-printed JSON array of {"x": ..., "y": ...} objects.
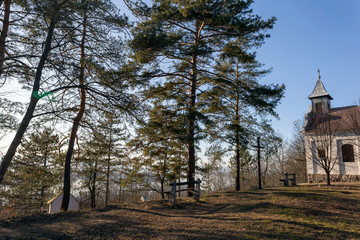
[{"x": 348, "y": 168}]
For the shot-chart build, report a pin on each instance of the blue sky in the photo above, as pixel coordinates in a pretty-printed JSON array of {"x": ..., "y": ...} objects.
[
  {"x": 311, "y": 35},
  {"x": 308, "y": 35}
]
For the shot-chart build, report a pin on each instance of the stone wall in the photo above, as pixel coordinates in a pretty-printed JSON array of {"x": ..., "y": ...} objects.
[{"x": 317, "y": 178}]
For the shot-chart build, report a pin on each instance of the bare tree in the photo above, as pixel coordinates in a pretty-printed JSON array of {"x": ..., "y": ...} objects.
[
  {"x": 295, "y": 153},
  {"x": 322, "y": 134}
]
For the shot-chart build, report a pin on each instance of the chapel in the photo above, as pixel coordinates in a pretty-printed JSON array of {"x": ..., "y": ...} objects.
[{"x": 332, "y": 139}]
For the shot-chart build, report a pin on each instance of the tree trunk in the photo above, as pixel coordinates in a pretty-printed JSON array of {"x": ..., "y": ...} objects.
[
  {"x": 162, "y": 188},
  {"x": 107, "y": 182},
  {"x": 237, "y": 133},
  {"x": 259, "y": 164},
  {"x": 242, "y": 173},
  {"x": 4, "y": 33},
  {"x": 191, "y": 137},
  {"x": 237, "y": 156},
  {"x": 67, "y": 169},
  {"x": 192, "y": 116},
  {"x": 120, "y": 193},
  {"x": 93, "y": 187},
  {"x": 33, "y": 100},
  {"x": 42, "y": 194},
  {"x": 328, "y": 182},
  {"x": 179, "y": 187},
  {"x": 108, "y": 167},
  {"x": 76, "y": 123},
  {"x": 237, "y": 145},
  {"x": 92, "y": 197},
  {"x": 263, "y": 177}
]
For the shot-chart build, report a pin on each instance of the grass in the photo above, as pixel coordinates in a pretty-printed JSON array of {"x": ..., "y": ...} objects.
[
  {"x": 307, "y": 213},
  {"x": 303, "y": 212}
]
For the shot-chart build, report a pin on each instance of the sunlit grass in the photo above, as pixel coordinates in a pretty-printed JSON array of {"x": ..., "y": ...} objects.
[
  {"x": 302, "y": 212},
  {"x": 305, "y": 213}
]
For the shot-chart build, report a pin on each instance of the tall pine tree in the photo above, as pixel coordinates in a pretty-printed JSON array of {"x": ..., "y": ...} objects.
[
  {"x": 238, "y": 99},
  {"x": 177, "y": 42}
]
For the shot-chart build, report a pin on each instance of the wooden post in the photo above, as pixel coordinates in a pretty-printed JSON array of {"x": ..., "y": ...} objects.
[
  {"x": 173, "y": 193},
  {"x": 258, "y": 156},
  {"x": 286, "y": 182},
  {"x": 199, "y": 190},
  {"x": 196, "y": 190},
  {"x": 179, "y": 188},
  {"x": 293, "y": 182}
]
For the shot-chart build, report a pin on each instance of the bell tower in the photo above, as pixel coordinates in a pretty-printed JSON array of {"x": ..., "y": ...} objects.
[{"x": 320, "y": 98}]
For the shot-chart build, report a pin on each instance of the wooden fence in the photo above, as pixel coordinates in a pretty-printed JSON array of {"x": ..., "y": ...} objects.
[
  {"x": 292, "y": 180},
  {"x": 196, "y": 190}
]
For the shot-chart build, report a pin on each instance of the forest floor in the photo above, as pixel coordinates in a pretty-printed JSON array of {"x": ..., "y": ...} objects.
[{"x": 301, "y": 212}]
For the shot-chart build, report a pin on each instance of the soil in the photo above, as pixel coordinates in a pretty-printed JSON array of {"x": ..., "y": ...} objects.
[{"x": 276, "y": 213}]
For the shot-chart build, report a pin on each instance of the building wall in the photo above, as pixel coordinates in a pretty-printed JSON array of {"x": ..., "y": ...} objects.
[
  {"x": 340, "y": 167},
  {"x": 73, "y": 204},
  {"x": 55, "y": 205},
  {"x": 317, "y": 178}
]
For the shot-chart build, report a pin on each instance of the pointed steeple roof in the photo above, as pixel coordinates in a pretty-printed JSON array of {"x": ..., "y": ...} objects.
[{"x": 319, "y": 90}]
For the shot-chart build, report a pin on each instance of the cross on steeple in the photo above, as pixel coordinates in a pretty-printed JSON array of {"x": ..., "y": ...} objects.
[{"x": 320, "y": 98}]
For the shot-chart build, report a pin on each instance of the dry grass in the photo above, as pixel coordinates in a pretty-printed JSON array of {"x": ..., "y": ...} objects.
[{"x": 303, "y": 212}]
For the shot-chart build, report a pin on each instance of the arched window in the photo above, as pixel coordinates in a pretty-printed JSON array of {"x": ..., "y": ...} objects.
[{"x": 347, "y": 151}]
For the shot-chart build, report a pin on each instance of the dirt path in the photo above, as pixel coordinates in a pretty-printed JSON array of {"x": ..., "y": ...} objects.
[{"x": 279, "y": 213}]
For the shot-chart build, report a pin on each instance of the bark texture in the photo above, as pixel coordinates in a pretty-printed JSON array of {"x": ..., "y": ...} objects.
[{"x": 4, "y": 33}]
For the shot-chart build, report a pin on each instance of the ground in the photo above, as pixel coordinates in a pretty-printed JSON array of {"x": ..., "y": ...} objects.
[{"x": 302, "y": 212}]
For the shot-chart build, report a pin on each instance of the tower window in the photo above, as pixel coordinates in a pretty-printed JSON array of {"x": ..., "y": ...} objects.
[
  {"x": 347, "y": 151},
  {"x": 318, "y": 107}
]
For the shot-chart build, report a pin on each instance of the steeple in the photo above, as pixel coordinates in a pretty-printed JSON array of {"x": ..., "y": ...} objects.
[
  {"x": 320, "y": 98},
  {"x": 319, "y": 90}
]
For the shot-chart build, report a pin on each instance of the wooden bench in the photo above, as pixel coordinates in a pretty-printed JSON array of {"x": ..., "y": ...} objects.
[
  {"x": 195, "y": 191},
  {"x": 292, "y": 180}
]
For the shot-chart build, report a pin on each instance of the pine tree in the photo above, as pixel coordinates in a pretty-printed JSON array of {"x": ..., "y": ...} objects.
[
  {"x": 35, "y": 174},
  {"x": 92, "y": 168},
  {"x": 96, "y": 56},
  {"x": 272, "y": 144},
  {"x": 295, "y": 153},
  {"x": 161, "y": 150},
  {"x": 110, "y": 135},
  {"x": 177, "y": 42},
  {"x": 238, "y": 98}
]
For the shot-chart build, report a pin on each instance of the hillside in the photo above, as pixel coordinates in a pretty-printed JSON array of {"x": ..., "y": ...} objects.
[{"x": 303, "y": 212}]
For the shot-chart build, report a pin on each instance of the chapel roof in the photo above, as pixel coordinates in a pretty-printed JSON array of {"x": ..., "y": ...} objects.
[
  {"x": 51, "y": 200},
  {"x": 58, "y": 195},
  {"x": 338, "y": 120},
  {"x": 319, "y": 91}
]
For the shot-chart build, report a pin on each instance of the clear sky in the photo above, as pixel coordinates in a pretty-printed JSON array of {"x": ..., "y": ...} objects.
[
  {"x": 308, "y": 35},
  {"x": 311, "y": 35}
]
